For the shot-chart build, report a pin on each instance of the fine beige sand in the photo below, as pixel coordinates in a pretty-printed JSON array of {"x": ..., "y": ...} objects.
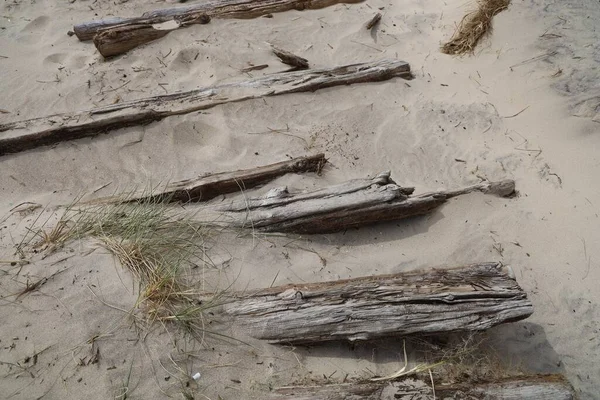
[{"x": 525, "y": 106}]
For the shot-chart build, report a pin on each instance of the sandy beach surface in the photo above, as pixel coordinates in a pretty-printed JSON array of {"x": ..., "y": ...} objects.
[{"x": 525, "y": 106}]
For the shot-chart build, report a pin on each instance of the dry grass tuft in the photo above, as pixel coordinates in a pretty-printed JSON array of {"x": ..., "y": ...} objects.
[
  {"x": 474, "y": 26},
  {"x": 467, "y": 358},
  {"x": 158, "y": 243}
]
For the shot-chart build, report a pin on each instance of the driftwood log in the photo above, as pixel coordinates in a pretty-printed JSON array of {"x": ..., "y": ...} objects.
[
  {"x": 29, "y": 134},
  {"x": 469, "y": 298},
  {"x": 121, "y": 39},
  {"x": 537, "y": 387},
  {"x": 350, "y": 204},
  {"x": 210, "y": 186},
  {"x": 127, "y": 33}
]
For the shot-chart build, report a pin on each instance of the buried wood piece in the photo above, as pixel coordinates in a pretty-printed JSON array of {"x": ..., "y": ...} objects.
[
  {"x": 188, "y": 15},
  {"x": 350, "y": 204},
  {"x": 210, "y": 186},
  {"x": 374, "y": 21},
  {"x": 533, "y": 387},
  {"x": 469, "y": 298},
  {"x": 290, "y": 59},
  {"x": 121, "y": 39},
  {"x": 29, "y": 134}
]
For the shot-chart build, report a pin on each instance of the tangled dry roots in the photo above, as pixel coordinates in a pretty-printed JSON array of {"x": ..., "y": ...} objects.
[{"x": 474, "y": 26}]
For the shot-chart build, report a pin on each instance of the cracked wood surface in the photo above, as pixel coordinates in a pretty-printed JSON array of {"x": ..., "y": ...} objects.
[
  {"x": 185, "y": 15},
  {"x": 350, "y": 204},
  {"x": 469, "y": 298}
]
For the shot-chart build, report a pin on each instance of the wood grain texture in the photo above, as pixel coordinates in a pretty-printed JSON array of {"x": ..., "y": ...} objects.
[
  {"x": 347, "y": 205},
  {"x": 536, "y": 387},
  {"x": 24, "y": 135},
  {"x": 206, "y": 187},
  {"x": 469, "y": 298},
  {"x": 121, "y": 39},
  {"x": 242, "y": 9}
]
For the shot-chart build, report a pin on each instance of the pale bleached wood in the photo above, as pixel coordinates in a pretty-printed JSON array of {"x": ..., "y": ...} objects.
[
  {"x": 206, "y": 187},
  {"x": 350, "y": 204},
  {"x": 469, "y": 298},
  {"x": 535, "y": 387},
  {"x": 123, "y": 38},
  {"x": 29, "y": 134},
  {"x": 241, "y": 9}
]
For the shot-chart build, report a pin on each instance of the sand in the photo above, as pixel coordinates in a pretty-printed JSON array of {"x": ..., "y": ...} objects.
[{"x": 525, "y": 106}]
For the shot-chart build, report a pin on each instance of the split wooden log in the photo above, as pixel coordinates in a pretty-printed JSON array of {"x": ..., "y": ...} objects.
[
  {"x": 29, "y": 134},
  {"x": 290, "y": 59},
  {"x": 350, "y": 204},
  {"x": 468, "y": 298},
  {"x": 210, "y": 186},
  {"x": 123, "y": 39},
  {"x": 536, "y": 387}
]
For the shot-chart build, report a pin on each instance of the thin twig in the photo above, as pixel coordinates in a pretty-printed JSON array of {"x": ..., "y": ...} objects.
[
  {"x": 364, "y": 44},
  {"x": 533, "y": 59},
  {"x": 514, "y": 115},
  {"x": 102, "y": 187},
  {"x": 117, "y": 88}
]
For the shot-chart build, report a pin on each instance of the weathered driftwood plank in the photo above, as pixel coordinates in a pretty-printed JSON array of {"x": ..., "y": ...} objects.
[
  {"x": 184, "y": 16},
  {"x": 350, "y": 204},
  {"x": 241, "y": 9},
  {"x": 210, "y": 186},
  {"x": 536, "y": 387},
  {"x": 29, "y": 134},
  {"x": 470, "y": 298}
]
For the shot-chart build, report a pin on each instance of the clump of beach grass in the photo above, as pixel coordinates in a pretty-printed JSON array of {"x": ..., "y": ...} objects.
[
  {"x": 474, "y": 26},
  {"x": 467, "y": 358},
  {"x": 158, "y": 242}
]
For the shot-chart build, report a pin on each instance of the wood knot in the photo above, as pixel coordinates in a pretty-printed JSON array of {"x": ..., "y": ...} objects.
[{"x": 204, "y": 19}]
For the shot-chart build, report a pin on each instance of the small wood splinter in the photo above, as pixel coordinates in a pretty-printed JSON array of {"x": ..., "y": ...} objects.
[
  {"x": 290, "y": 59},
  {"x": 374, "y": 21}
]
